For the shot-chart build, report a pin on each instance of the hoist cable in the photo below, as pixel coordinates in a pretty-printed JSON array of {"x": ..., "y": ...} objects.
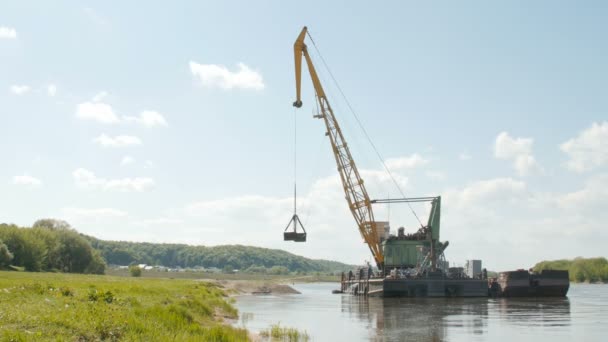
[
  {"x": 295, "y": 161},
  {"x": 363, "y": 128}
]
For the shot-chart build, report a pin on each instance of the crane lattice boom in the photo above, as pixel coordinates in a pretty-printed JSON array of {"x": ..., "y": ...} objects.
[{"x": 354, "y": 188}]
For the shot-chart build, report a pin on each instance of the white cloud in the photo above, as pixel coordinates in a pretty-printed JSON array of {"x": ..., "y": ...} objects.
[
  {"x": 518, "y": 150},
  {"x": 88, "y": 180},
  {"x": 589, "y": 149},
  {"x": 117, "y": 141},
  {"x": 96, "y": 111},
  {"x": 99, "y": 111},
  {"x": 148, "y": 118},
  {"x": 27, "y": 180},
  {"x": 402, "y": 163},
  {"x": 126, "y": 160},
  {"x": 8, "y": 33},
  {"x": 51, "y": 90},
  {"x": 19, "y": 89},
  {"x": 213, "y": 75},
  {"x": 507, "y": 147},
  {"x": 589, "y": 200},
  {"x": 484, "y": 191},
  {"x": 492, "y": 218}
]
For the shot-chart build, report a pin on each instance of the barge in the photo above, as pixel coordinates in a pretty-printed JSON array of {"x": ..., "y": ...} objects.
[
  {"x": 520, "y": 283},
  {"x": 435, "y": 284}
]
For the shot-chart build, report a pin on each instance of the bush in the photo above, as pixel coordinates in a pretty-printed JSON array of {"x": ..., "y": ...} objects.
[{"x": 135, "y": 271}]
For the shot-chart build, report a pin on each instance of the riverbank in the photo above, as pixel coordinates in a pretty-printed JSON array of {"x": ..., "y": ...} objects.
[{"x": 45, "y": 306}]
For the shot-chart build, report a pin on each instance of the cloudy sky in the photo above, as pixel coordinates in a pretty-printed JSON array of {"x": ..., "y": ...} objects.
[{"x": 173, "y": 123}]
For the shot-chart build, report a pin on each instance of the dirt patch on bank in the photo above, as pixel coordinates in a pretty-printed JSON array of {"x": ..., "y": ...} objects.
[{"x": 240, "y": 287}]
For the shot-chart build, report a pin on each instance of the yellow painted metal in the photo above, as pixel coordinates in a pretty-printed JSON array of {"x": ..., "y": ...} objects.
[{"x": 356, "y": 195}]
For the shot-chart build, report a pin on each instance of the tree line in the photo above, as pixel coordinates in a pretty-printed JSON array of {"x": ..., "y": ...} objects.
[
  {"x": 580, "y": 269},
  {"x": 49, "y": 245},
  {"x": 53, "y": 245},
  {"x": 232, "y": 257}
]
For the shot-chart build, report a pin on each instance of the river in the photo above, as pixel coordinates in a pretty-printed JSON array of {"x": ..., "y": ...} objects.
[{"x": 582, "y": 316}]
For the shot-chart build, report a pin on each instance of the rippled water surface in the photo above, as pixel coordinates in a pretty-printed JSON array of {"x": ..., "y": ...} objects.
[{"x": 583, "y": 316}]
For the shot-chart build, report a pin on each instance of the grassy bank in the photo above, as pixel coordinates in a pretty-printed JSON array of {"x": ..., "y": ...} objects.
[{"x": 50, "y": 306}]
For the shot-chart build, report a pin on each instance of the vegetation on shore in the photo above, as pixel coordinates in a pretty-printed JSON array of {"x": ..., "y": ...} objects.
[
  {"x": 53, "y": 245},
  {"x": 278, "y": 333},
  {"x": 580, "y": 269},
  {"x": 50, "y": 245},
  {"x": 70, "y": 307}
]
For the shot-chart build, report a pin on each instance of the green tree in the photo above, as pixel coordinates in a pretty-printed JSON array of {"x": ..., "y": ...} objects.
[
  {"x": 5, "y": 255},
  {"x": 52, "y": 224},
  {"x": 27, "y": 250},
  {"x": 97, "y": 264},
  {"x": 74, "y": 253},
  {"x": 278, "y": 270}
]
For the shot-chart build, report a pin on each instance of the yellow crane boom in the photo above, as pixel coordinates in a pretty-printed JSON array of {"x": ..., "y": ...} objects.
[{"x": 356, "y": 195}]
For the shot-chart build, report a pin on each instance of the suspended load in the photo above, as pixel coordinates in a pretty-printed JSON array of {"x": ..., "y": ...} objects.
[{"x": 293, "y": 234}]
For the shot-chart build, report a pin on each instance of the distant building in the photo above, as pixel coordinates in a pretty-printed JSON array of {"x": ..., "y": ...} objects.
[{"x": 472, "y": 268}]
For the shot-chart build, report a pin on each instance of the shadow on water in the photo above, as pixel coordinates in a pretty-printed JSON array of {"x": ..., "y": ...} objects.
[{"x": 435, "y": 319}]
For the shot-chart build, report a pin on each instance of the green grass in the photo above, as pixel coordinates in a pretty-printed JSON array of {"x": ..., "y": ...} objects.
[
  {"x": 278, "y": 333},
  {"x": 69, "y": 307}
]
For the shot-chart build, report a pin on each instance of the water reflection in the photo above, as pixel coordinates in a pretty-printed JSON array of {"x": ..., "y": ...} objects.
[
  {"x": 329, "y": 317},
  {"x": 435, "y": 319},
  {"x": 534, "y": 311},
  {"x": 424, "y": 319}
]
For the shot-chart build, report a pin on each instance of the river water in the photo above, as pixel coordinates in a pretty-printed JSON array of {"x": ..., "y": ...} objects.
[{"x": 582, "y": 316}]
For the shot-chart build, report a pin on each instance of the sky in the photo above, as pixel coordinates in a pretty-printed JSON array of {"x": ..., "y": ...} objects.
[{"x": 172, "y": 122}]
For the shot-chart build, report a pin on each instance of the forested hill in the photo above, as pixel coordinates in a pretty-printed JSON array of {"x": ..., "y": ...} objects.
[{"x": 238, "y": 257}]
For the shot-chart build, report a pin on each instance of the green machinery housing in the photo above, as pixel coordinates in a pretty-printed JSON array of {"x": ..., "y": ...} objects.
[{"x": 418, "y": 249}]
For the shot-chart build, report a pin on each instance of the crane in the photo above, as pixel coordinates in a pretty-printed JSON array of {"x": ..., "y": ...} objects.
[{"x": 358, "y": 200}]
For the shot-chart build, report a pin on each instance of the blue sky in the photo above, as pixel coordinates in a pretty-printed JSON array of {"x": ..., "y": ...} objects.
[{"x": 173, "y": 123}]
